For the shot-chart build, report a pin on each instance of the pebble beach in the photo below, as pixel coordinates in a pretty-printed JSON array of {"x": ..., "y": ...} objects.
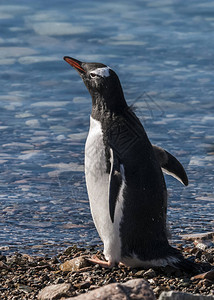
[{"x": 23, "y": 276}]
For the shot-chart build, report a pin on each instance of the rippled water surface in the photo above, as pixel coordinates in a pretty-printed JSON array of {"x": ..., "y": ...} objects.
[{"x": 163, "y": 54}]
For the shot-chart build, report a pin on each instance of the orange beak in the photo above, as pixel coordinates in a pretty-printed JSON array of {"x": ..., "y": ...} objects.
[{"x": 74, "y": 63}]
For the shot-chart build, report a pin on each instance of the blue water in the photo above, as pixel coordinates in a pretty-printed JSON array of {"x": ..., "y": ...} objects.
[{"x": 163, "y": 54}]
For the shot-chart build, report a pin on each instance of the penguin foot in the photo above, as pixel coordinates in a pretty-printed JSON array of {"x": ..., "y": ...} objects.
[{"x": 104, "y": 264}]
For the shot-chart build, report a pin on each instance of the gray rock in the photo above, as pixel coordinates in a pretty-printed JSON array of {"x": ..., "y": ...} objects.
[
  {"x": 136, "y": 289},
  {"x": 55, "y": 291},
  {"x": 183, "y": 296}
]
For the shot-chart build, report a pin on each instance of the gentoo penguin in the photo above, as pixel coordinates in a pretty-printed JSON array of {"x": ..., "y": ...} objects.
[{"x": 125, "y": 183}]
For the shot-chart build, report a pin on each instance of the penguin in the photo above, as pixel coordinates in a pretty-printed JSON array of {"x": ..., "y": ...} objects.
[{"x": 124, "y": 178}]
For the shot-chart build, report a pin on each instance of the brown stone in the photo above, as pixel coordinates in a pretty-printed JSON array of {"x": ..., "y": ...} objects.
[
  {"x": 74, "y": 264},
  {"x": 136, "y": 289},
  {"x": 55, "y": 291}
]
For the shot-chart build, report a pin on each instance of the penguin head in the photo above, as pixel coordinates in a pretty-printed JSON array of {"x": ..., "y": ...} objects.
[{"x": 102, "y": 83}]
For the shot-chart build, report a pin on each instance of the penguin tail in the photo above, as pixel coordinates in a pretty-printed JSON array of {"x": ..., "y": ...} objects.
[
  {"x": 184, "y": 264},
  {"x": 187, "y": 266}
]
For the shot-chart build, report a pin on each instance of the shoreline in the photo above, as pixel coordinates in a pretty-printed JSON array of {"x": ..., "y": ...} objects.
[{"x": 24, "y": 276}]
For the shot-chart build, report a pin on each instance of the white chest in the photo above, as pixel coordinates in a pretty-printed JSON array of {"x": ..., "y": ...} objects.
[
  {"x": 97, "y": 182},
  {"x": 95, "y": 163}
]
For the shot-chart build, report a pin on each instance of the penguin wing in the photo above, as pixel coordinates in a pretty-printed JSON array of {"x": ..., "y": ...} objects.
[
  {"x": 115, "y": 182},
  {"x": 170, "y": 165}
]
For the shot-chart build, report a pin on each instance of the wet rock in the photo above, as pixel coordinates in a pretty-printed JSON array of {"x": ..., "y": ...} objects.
[
  {"x": 56, "y": 291},
  {"x": 134, "y": 289},
  {"x": 172, "y": 295},
  {"x": 74, "y": 264}
]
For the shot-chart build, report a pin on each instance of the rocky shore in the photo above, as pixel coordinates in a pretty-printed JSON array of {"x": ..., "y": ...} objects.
[{"x": 69, "y": 274}]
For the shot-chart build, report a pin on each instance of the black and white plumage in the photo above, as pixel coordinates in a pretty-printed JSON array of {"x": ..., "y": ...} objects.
[{"x": 125, "y": 183}]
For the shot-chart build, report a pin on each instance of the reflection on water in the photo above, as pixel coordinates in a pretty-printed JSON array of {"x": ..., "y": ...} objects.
[{"x": 162, "y": 52}]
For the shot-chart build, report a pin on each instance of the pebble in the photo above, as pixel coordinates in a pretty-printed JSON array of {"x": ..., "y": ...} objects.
[
  {"x": 139, "y": 273},
  {"x": 74, "y": 264},
  {"x": 149, "y": 274}
]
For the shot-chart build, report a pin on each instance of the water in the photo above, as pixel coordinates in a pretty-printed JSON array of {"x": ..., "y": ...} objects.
[{"x": 163, "y": 54}]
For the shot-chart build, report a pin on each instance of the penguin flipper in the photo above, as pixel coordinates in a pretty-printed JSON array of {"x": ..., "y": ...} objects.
[
  {"x": 170, "y": 165},
  {"x": 114, "y": 183}
]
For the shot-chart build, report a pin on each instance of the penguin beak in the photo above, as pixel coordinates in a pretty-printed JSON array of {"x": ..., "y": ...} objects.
[{"x": 76, "y": 64}]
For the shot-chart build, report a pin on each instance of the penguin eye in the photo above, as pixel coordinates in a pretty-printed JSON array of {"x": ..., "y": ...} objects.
[{"x": 92, "y": 75}]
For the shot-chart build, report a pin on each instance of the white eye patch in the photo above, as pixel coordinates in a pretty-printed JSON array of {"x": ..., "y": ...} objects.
[{"x": 103, "y": 72}]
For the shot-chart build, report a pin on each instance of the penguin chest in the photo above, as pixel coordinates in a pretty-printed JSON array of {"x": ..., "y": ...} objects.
[
  {"x": 97, "y": 182},
  {"x": 97, "y": 179}
]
